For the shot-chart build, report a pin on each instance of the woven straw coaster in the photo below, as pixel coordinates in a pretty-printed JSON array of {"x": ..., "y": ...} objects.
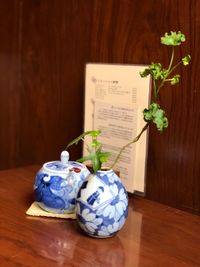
[{"x": 35, "y": 210}]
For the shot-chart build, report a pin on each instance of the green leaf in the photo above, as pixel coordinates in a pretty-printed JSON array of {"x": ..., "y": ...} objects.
[
  {"x": 147, "y": 115},
  {"x": 156, "y": 70},
  {"x": 80, "y": 137},
  {"x": 186, "y": 60},
  {"x": 145, "y": 73},
  {"x": 150, "y": 112},
  {"x": 161, "y": 123},
  {"x": 85, "y": 158},
  {"x": 95, "y": 144},
  {"x": 175, "y": 79},
  {"x": 174, "y": 38},
  {"x": 103, "y": 157},
  {"x": 156, "y": 115},
  {"x": 94, "y": 133}
]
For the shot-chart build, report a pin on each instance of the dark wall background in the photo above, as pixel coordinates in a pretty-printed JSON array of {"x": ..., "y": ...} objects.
[{"x": 43, "y": 50}]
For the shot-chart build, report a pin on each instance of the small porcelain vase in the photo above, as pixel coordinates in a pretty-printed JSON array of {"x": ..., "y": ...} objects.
[
  {"x": 102, "y": 204},
  {"x": 57, "y": 184}
]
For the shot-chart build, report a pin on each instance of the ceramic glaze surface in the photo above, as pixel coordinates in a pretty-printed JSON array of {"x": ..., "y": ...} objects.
[
  {"x": 102, "y": 204},
  {"x": 57, "y": 184}
]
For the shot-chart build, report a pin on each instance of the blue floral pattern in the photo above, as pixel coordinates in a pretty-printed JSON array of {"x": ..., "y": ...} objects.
[
  {"x": 55, "y": 190},
  {"x": 110, "y": 213}
]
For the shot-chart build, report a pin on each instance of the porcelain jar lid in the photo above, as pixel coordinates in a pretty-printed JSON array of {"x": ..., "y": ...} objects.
[{"x": 64, "y": 165}]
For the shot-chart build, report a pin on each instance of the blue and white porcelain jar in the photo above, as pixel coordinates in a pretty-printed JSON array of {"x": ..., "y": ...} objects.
[
  {"x": 102, "y": 204},
  {"x": 57, "y": 184}
]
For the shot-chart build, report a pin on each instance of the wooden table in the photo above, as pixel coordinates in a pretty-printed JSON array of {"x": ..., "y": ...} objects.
[{"x": 154, "y": 234}]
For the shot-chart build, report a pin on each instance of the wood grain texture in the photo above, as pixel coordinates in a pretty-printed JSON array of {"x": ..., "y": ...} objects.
[
  {"x": 43, "y": 51},
  {"x": 53, "y": 77},
  {"x": 153, "y": 235},
  {"x": 9, "y": 82}
]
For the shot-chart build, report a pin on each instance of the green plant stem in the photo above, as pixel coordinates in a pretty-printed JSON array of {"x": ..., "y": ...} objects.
[
  {"x": 130, "y": 143},
  {"x": 171, "y": 60},
  {"x": 155, "y": 89},
  {"x": 169, "y": 71},
  {"x": 175, "y": 66}
]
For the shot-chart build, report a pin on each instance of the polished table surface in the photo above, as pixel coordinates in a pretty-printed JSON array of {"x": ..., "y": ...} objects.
[{"x": 153, "y": 235}]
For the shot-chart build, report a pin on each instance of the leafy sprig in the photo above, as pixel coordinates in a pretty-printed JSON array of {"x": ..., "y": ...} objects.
[
  {"x": 95, "y": 153},
  {"x": 174, "y": 38},
  {"x": 160, "y": 76},
  {"x": 153, "y": 114}
]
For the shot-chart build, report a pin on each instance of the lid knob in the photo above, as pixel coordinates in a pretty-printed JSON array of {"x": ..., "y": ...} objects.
[{"x": 64, "y": 157}]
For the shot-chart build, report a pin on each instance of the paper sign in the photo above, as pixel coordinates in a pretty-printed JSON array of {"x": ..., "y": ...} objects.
[{"x": 115, "y": 96}]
